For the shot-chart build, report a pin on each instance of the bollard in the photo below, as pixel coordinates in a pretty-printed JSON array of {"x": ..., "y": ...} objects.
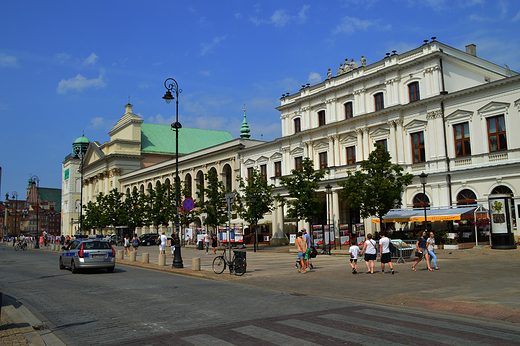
[
  {"x": 146, "y": 257},
  {"x": 162, "y": 260},
  {"x": 120, "y": 254},
  {"x": 195, "y": 263},
  {"x": 132, "y": 256}
]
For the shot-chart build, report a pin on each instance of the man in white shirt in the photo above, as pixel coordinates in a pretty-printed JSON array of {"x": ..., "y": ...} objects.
[
  {"x": 386, "y": 255},
  {"x": 162, "y": 245}
]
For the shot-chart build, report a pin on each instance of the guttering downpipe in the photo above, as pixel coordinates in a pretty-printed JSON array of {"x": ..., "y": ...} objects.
[{"x": 444, "y": 92}]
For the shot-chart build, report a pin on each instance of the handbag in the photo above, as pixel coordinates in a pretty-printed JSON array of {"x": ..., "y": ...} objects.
[
  {"x": 391, "y": 246},
  {"x": 418, "y": 254}
]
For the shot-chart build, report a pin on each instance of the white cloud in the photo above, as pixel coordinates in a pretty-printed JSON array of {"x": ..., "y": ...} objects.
[
  {"x": 314, "y": 77},
  {"x": 91, "y": 60},
  {"x": 100, "y": 123},
  {"x": 350, "y": 24},
  {"x": 62, "y": 57},
  {"x": 8, "y": 60},
  {"x": 208, "y": 47},
  {"x": 238, "y": 15},
  {"x": 204, "y": 73},
  {"x": 281, "y": 18},
  {"x": 302, "y": 15},
  {"x": 516, "y": 18},
  {"x": 144, "y": 86},
  {"x": 79, "y": 83}
]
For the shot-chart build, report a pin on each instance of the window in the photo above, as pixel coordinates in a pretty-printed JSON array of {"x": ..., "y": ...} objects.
[
  {"x": 298, "y": 163},
  {"x": 418, "y": 147},
  {"x": 497, "y": 133},
  {"x": 351, "y": 155},
  {"x": 323, "y": 160},
  {"x": 462, "y": 144},
  {"x": 249, "y": 173},
  {"x": 466, "y": 197},
  {"x": 297, "y": 125},
  {"x": 413, "y": 91},
  {"x": 263, "y": 171},
  {"x": 278, "y": 169},
  {"x": 379, "y": 100},
  {"x": 348, "y": 110},
  {"x": 321, "y": 118},
  {"x": 383, "y": 143},
  {"x": 419, "y": 200}
]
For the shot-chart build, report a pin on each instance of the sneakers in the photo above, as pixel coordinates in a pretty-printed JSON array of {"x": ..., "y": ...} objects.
[
  {"x": 392, "y": 272},
  {"x": 382, "y": 271}
]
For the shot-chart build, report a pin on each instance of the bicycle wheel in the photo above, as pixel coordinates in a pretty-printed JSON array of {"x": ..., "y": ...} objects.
[
  {"x": 219, "y": 265},
  {"x": 24, "y": 247},
  {"x": 17, "y": 247},
  {"x": 240, "y": 266}
]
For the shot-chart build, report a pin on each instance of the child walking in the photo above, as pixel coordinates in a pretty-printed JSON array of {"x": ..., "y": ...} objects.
[{"x": 354, "y": 251}]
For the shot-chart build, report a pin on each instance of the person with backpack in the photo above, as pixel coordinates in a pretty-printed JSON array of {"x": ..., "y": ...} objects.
[
  {"x": 386, "y": 253},
  {"x": 135, "y": 242},
  {"x": 370, "y": 251}
]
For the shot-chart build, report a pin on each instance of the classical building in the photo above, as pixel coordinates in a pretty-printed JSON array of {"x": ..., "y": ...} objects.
[{"x": 436, "y": 109}]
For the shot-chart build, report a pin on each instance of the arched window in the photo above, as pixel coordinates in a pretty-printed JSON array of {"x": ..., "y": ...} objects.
[
  {"x": 501, "y": 189},
  {"x": 413, "y": 91},
  {"x": 420, "y": 199},
  {"x": 466, "y": 197}
]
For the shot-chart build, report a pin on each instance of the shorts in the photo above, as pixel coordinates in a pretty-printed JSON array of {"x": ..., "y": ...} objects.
[
  {"x": 370, "y": 257},
  {"x": 300, "y": 254},
  {"x": 307, "y": 254},
  {"x": 386, "y": 257},
  {"x": 353, "y": 260},
  {"x": 162, "y": 247}
]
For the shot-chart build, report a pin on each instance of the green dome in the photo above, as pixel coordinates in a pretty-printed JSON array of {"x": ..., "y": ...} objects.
[{"x": 81, "y": 140}]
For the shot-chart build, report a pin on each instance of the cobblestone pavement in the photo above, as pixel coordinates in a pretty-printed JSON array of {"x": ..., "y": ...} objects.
[{"x": 480, "y": 284}]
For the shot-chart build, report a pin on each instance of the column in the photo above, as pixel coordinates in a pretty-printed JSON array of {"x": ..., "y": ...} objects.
[
  {"x": 330, "y": 154},
  {"x": 427, "y": 83},
  {"x": 362, "y": 101},
  {"x": 436, "y": 80},
  {"x": 335, "y": 214},
  {"x": 359, "y": 146},
  {"x": 397, "y": 81},
  {"x": 336, "y": 151},
  {"x": 366, "y": 144},
  {"x": 400, "y": 142},
  {"x": 429, "y": 136},
  {"x": 439, "y": 134},
  {"x": 356, "y": 103},
  {"x": 392, "y": 146},
  {"x": 388, "y": 94}
]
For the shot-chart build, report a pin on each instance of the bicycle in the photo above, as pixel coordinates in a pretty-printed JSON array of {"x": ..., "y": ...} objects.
[
  {"x": 237, "y": 265},
  {"x": 19, "y": 246}
]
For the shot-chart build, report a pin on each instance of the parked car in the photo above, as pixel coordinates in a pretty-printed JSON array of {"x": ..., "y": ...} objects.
[
  {"x": 149, "y": 239},
  {"x": 90, "y": 253}
]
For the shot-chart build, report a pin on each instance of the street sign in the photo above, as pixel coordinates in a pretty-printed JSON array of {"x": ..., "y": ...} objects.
[
  {"x": 188, "y": 204},
  {"x": 230, "y": 198},
  {"x": 180, "y": 210}
]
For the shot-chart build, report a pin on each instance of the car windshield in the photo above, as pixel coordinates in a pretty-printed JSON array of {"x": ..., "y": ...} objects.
[{"x": 96, "y": 245}]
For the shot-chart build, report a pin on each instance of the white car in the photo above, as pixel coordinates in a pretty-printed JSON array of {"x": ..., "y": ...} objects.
[{"x": 91, "y": 253}]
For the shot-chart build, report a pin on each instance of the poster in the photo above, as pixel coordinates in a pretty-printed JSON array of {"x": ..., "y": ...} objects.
[{"x": 497, "y": 208}]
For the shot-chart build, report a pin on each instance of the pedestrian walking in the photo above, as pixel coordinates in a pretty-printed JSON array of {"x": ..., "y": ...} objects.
[
  {"x": 307, "y": 255},
  {"x": 214, "y": 243},
  {"x": 386, "y": 254},
  {"x": 430, "y": 246},
  {"x": 354, "y": 253},
  {"x": 135, "y": 242},
  {"x": 207, "y": 239},
  {"x": 370, "y": 251},
  {"x": 162, "y": 244},
  {"x": 172, "y": 243},
  {"x": 301, "y": 245},
  {"x": 127, "y": 244},
  {"x": 420, "y": 251}
]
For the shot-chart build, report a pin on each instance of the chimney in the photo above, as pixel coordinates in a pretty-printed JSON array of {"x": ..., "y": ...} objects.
[{"x": 471, "y": 49}]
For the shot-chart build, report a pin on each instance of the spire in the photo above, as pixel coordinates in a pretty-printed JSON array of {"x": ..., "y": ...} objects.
[{"x": 244, "y": 130}]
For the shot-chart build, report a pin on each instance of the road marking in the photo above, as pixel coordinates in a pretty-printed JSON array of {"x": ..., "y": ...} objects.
[
  {"x": 206, "y": 340},
  {"x": 273, "y": 337},
  {"x": 389, "y": 327},
  {"x": 484, "y": 330},
  {"x": 339, "y": 334}
]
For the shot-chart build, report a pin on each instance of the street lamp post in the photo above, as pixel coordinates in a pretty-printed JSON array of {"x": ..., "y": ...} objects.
[
  {"x": 253, "y": 201},
  {"x": 81, "y": 155},
  {"x": 328, "y": 188},
  {"x": 424, "y": 178},
  {"x": 171, "y": 85},
  {"x": 36, "y": 181},
  {"x": 15, "y": 198}
]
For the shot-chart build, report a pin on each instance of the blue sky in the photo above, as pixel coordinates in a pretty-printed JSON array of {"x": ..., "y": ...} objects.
[{"x": 68, "y": 67}]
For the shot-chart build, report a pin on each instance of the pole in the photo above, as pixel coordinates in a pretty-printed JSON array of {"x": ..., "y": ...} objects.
[{"x": 424, "y": 204}]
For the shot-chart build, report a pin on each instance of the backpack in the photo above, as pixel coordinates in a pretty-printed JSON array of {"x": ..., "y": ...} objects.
[
  {"x": 135, "y": 242},
  {"x": 391, "y": 246}
]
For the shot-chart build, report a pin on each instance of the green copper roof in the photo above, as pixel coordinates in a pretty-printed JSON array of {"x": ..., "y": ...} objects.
[
  {"x": 160, "y": 139},
  {"x": 244, "y": 130},
  {"x": 82, "y": 139}
]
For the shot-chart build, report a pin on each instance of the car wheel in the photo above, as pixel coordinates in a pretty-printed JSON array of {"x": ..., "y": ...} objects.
[
  {"x": 147, "y": 243},
  {"x": 73, "y": 268},
  {"x": 110, "y": 270},
  {"x": 61, "y": 264}
]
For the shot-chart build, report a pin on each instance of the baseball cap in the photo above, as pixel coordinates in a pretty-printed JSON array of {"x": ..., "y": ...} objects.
[{"x": 304, "y": 230}]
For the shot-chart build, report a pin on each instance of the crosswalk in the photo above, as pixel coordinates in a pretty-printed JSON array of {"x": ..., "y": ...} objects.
[{"x": 357, "y": 325}]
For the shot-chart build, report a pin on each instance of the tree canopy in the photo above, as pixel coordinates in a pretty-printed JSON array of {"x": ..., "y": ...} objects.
[{"x": 256, "y": 186}]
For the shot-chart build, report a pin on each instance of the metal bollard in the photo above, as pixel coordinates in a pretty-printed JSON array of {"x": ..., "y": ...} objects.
[
  {"x": 195, "y": 263},
  {"x": 162, "y": 260},
  {"x": 146, "y": 257},
  {"x": 120, "y": 254},
  {"x": 132, "y": 256}
]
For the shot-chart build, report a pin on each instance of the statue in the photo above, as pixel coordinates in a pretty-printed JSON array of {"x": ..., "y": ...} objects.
[
  {"x": 346, "y": 66},
  {"x": 353, "y": 64},
  {"x": 340, "y": 71},
  {"x": 363, "y": 61},
  {"x": 329, "y": 74}
]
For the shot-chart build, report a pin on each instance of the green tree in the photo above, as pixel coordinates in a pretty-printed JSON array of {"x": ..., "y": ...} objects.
[
  {"x": 377, "y": 187},
  {"x": 111, "y": 208},
  {"x": 159, "y": 208},
  {"x": 93, "y": 215},
  {"x": 135, "y": 210},
  {"x": 301, "y": 186},
  {"x": 256, "y": 186},
  {"x": 215, "y": 193}
]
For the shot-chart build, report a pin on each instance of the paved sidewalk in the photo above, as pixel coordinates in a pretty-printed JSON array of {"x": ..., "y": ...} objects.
[{"x": 481, "y": 283}]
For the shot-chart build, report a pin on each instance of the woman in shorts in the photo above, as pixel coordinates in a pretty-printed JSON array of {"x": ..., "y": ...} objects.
[
  {"x": 370, "y": 251},
  {"x": 420, "y": 249}
]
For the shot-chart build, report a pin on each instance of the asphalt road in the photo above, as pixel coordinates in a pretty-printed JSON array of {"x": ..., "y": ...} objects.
[{"x": 136, "y": 306}]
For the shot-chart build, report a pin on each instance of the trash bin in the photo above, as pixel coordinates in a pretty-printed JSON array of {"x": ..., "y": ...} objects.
[{"x": 201, "y": 245}]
